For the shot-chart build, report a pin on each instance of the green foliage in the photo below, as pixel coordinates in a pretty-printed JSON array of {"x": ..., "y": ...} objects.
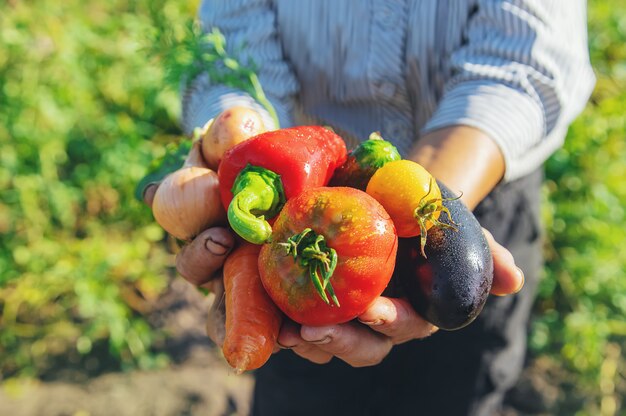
[
  {"x": 184, "y": 55},
  {"x": 190, "y": 53},
  {"x": 83, "y": 112},
  {"x": 581, "y": 312},
  {"x": 85, "y": 108}
]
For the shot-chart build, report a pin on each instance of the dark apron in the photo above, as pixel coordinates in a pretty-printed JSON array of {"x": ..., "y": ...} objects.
[{"x": 464, "y": 372}]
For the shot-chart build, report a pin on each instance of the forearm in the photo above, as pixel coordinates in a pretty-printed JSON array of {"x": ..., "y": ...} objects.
[{"x": 464, "y": 158}]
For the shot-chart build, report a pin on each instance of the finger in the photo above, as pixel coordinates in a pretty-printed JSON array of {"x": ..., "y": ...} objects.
[
  {"x": 289, "y": 338},
  {"x": 312, "y": 353},
  {"x": 352, "y": 342},
  {"x": 216, "y": 320},
  {"x": 396, "y": 319},
  {"x": 198, "y": 261},
  {"x": 149, "y": 191},
  {"x": 507, "y": 277}
]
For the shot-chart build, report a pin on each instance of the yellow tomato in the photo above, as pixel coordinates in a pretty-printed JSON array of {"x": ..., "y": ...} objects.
[{"x": 410, "y": 195}]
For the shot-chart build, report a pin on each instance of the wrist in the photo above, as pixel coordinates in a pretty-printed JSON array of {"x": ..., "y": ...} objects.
[{"x": 464, "y": 158}]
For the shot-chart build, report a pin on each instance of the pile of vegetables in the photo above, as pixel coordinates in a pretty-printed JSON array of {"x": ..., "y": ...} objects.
[{"x": 321, "y": 231}]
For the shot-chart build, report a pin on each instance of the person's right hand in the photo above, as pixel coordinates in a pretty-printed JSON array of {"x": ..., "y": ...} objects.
[{"x": 200, "y": 261}]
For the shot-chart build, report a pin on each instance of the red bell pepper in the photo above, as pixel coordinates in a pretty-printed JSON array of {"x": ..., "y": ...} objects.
[{"x": 258, "y": 175}]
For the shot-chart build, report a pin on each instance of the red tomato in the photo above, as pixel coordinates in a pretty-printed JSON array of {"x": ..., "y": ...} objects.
[{"x": 342, "y": 220}]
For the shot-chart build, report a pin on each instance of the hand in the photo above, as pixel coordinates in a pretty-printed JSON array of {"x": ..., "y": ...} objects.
[
  {"x": 387, "y": 322},
  {"x": 200, "y": 261}
]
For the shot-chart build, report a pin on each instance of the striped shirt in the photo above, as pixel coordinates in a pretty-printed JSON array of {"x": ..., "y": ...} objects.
[{"x": 517, "y": 70}]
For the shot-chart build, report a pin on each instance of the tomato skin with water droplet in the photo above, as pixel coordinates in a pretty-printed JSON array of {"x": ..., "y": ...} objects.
[{"x": 364, "y": 237}]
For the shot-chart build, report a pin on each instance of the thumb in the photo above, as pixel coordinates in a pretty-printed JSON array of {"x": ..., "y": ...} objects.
[
  {"x": 507, "y": 277},
  {"x": 148, "y": 193}
]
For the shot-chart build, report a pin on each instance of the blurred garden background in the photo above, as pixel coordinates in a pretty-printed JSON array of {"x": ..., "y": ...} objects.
[{"x": 86, "y": 277}]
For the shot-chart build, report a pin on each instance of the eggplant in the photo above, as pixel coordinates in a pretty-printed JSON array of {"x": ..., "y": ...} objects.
[{"x": 450, "y": 286}]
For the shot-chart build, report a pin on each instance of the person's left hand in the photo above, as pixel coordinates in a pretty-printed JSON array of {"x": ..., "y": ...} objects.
[{"x": 387, "y": 322}]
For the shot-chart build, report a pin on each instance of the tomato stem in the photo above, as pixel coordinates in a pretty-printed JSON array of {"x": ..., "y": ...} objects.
[
  {"x": 425, "y": 213},
  {"x": 309, "y": 249}
]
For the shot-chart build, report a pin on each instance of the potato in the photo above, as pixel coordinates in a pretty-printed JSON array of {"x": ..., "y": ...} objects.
[{"x": 230, "y": 127}]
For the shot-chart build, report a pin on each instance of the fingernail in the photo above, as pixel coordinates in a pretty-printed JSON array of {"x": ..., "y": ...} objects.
[
  {"x": 215, "y": 247},
  {"x": 521, "y": 274},
  {"x": 322, "y": 341},
  {"x": 376, "y": 322}
]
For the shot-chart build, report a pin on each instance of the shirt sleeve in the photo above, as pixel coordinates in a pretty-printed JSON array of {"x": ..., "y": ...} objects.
[
  {"x": 522, "y": 77},
  {"x": 249, "y": 27}
]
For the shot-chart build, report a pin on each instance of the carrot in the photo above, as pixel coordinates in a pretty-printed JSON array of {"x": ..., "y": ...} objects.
[{"x": 252, "y": 319}]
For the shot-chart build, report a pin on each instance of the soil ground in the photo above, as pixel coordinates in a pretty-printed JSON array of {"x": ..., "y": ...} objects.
[{"x": 199, "y": 382}]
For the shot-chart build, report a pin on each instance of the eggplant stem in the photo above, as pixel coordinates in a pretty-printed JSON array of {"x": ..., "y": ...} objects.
[{"x": 425, "y": 213}]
